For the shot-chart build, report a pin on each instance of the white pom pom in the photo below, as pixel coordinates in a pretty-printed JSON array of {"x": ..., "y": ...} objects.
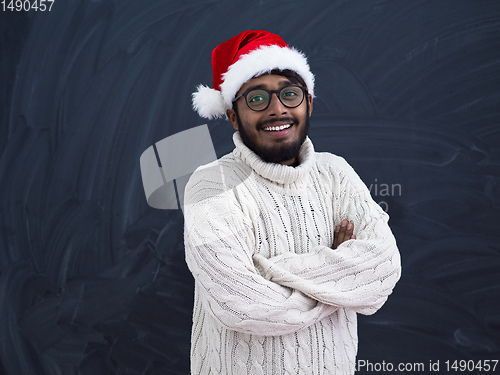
[{"x": 208, "y": 102}]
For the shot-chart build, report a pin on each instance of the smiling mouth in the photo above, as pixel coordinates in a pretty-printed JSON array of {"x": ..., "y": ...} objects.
[{"x": 276, "y": 128}]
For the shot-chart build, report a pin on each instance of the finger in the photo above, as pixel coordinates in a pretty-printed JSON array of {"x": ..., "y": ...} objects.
[
  {"x": 336, "y": 237},
  {"x": 353, "y": 237},
  {"x": 349, "y": 231},
  {"x": 342, "y": 230}
]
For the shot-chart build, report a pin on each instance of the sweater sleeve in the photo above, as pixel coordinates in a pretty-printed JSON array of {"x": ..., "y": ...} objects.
[
  {"x": 219, "y": 244},
  {"x": 360, "y": 274}
]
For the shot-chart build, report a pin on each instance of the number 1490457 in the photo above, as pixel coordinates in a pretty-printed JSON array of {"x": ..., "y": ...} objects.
[{"x": 27, "y": 5}]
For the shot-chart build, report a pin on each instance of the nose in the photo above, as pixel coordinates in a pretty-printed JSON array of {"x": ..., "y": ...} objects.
[{"x": 275, "y": 105}]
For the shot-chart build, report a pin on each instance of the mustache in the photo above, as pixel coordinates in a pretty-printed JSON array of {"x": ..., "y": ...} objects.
[{"x": 272, "y": 122}]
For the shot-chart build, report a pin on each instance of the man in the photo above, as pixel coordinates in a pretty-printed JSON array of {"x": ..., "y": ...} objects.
[{"x": 285, "y": 244}]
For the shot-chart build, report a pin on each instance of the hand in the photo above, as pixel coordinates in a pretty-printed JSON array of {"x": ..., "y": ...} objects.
[{"x": 343, "y": 232}]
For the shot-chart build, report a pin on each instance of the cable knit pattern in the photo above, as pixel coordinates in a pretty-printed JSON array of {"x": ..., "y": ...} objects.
[{"x": 271, "y": 295}]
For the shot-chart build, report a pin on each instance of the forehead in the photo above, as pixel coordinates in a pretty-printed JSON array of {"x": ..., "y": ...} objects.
[{"x": 268, "y": 81}]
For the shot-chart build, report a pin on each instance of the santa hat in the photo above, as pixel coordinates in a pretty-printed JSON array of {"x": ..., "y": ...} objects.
[{"x": 243, "y": 57}]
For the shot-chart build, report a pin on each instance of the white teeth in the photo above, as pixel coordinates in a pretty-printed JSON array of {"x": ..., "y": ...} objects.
[{"x": 277, "y": 128}]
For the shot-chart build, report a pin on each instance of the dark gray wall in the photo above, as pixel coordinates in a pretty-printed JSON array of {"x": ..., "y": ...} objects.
[{"x": 93, "y": 281}]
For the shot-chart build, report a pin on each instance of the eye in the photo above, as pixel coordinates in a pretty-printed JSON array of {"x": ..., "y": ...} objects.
[
  {"x": 290, "y": 93},
  {"x": 256, "y": 98}
]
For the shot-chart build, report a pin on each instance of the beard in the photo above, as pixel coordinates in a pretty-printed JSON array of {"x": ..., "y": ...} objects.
[{"x": 281, "y": 152}]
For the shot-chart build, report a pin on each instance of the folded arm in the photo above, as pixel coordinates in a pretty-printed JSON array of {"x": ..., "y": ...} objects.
[{"x": 359, "y": 273}]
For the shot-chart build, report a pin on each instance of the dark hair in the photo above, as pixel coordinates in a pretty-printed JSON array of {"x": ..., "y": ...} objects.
[{"x": 290, "y": 75}]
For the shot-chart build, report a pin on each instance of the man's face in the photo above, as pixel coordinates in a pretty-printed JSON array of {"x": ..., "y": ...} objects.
[{"x": 255, "y": 127}]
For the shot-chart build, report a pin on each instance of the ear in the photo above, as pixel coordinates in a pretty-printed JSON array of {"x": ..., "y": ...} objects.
[
  {"x": 231, "y": 116},
  {"x": 310, "y": 99}
]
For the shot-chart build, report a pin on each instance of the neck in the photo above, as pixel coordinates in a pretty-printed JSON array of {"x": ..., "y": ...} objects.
[{"x": 291, "y": 163}]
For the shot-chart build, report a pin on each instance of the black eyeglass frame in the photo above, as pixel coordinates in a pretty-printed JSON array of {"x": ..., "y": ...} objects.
[{"x": 270, "y": 92}]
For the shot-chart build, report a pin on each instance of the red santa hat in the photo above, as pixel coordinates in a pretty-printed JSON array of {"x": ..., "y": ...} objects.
[{"x": 243, "y": 57}]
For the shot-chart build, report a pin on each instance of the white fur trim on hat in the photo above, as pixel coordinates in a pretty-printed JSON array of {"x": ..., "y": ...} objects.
[
  {"x": 208, "y": 102},
  {"x": 261, "y": 61}
]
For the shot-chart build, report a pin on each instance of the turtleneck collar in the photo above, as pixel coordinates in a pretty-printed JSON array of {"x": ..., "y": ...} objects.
[{"x": 278, "y": 173}]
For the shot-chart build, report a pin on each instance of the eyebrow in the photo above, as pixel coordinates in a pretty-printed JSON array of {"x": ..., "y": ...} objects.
[{"x": 282, "y": 84}]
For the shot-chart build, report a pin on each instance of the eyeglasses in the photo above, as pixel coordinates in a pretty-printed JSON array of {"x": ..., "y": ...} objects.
[{"x": 259, "y": 99}]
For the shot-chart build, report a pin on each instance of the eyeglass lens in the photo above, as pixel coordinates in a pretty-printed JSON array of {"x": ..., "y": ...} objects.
[{"x": 290, "y": 96}]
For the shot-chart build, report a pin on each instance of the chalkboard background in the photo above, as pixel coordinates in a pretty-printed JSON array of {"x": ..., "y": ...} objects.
[{"x": 93, "y": 280}]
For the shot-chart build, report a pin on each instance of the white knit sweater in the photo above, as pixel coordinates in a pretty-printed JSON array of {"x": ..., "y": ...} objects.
[{"x": 271, "y": 295}]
